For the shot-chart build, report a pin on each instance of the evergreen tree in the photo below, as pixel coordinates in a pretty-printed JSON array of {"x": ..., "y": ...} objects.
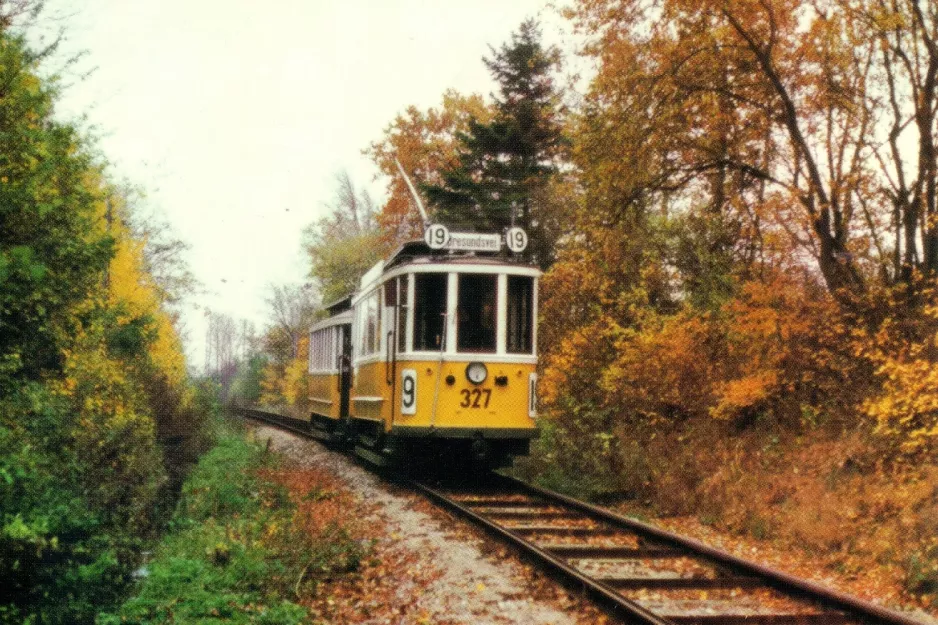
[{"x": 506, "y": 165}]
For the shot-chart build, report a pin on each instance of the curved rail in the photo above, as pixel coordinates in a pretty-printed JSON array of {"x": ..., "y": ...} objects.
[
  {"x": 499, "y": 509},
  {"x": 783, "y": 581}
]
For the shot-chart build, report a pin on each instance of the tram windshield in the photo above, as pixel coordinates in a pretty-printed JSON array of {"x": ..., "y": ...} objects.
[
  {"x": 429, "y": 310},
  {"x": 520, "y": 315},
  {"x": 476, "y": 313}
]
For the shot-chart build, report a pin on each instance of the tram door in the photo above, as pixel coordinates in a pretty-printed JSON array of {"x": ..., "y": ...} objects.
[{"x": 345, "y": 370}]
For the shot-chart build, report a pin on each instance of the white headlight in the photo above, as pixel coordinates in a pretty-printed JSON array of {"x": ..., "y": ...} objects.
[{"x": 476, "y": 372}]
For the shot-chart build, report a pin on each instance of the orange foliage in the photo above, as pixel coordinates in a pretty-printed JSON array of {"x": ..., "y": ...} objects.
[
  {"x": 322, "y": 502},
  {"x": 426, "y": 144},
  {"x": 666, "y": 367},
  {"x": 774, "y": 347},
  {"x": 784, "y": 345}
]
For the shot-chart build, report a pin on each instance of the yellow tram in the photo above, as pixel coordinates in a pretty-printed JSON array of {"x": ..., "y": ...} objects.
[{"x": 435, "y": 351}]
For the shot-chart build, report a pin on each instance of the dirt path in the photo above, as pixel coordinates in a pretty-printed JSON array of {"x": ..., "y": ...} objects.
[{"x": 438, "y": 569}]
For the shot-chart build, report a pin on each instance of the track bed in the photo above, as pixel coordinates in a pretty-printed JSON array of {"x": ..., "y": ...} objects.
[{"x": 637, "y": 572}]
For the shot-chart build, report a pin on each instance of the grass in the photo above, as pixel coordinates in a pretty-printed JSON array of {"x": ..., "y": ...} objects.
[{"x": 233, "y": 553}]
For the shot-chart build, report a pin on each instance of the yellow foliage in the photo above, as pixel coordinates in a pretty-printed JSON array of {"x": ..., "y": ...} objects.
[
  {"x": 284, "y": 386},
  {"x": 166, "y": 352},
  {"x": 294, "y": 383},
  {"x": 131, "y": 290},
  {"x": 272, "y": 385},
  {"x": 570, "y": 369},
  {"x": 906, "y": 407},
  {"x": 96, "y": 382},
  {"x": 116, "y": 436}
]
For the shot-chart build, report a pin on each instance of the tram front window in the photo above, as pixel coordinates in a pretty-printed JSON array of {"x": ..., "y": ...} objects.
[
  {"x": 476, "y": 313},
  {"x": 520, "y": 313},
  {"x": 429, "y": 308}
]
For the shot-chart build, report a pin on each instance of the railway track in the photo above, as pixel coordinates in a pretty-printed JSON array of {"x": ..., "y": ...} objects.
[
  {"x": 638, "y": 572},
  {"x": 646, "y": 574}
]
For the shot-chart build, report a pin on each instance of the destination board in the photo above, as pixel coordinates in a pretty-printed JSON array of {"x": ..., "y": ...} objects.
[{"x": 438, "y": 237}]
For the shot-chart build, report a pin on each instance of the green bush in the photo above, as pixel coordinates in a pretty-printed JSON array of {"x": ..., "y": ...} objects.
[
  {"x": 81, "y": 473},
  {"x": 60, "y": 556},
  {"x": 211, "y": 571}
]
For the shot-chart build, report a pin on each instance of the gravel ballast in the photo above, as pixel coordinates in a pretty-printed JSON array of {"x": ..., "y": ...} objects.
[{"x": 453, "y": 574}]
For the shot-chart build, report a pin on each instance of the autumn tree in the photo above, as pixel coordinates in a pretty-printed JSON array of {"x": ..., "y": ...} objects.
[
  {"x": 426, "y": 143},
  {"x": 505, "y": 165},
  {"x": 293, "y": 308},
  {"x": 51, "y": 253},
  {"x": 163, "y": 251},
  {"x": 343, "y": 245},
  {"x": 904, "y": 70},
  {"x": 91, "y": 367},
  {"x": 790, "y": 115}
]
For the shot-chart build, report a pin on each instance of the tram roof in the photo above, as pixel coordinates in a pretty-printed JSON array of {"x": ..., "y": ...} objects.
[
  {"x": 337, "y": 319},
  {"x": 336, "y": 306}
]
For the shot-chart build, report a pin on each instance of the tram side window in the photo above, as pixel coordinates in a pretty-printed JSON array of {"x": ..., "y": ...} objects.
[
  {"x": 360, "y": 315},
  {"x": 476, "y": 313},
  {"x": 312, "y": 352},
  {"x": 322, "y": 350},
  {"x": 429, "y": 308},
  {"x": 369, "y": 324},
  {"x": 402, "y": 313},
  {"x": 374, "y": 323},
  {"x": 520, "y": 315}
]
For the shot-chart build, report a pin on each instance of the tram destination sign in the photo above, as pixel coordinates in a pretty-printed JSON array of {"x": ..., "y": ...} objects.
[{"x": 438, "y": 237}]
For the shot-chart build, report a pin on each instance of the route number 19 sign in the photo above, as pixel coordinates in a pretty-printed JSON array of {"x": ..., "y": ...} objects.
[
  {"x": 438, "y": 237},
  {"x": 516, "y": 239}
]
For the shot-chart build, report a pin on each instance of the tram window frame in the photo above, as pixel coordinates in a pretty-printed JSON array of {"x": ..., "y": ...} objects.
[
  {"x": 430, "y": 306},
  {"x": 519, "y": 330},
  {"x": 477, "y": 313},
  {"x": 322, "y": 350},
  {"x": 374, "y": 321},
  {"x": 403, "y": 285},
  {"x": 315, "y": 349},
  {"x": 309, "y": 356},
  {"x": 368, "y": 323}
]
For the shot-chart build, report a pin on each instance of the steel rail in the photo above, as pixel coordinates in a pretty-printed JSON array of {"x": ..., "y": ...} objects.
[
  {"x": 603, "y": 593},
  {"x": 780, "y": 580},
  {"x": 277, "y": 420}
]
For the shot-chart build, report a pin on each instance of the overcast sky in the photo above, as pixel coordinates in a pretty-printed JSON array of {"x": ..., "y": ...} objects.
[{"x": 236, "y": 115}]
